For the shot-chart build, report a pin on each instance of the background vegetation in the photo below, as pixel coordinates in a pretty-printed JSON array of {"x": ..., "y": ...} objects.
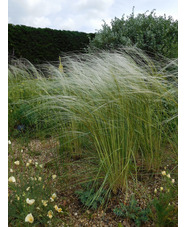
[
  {"x": 151, "y": 33},
  {"x": 39, "y": 45}
]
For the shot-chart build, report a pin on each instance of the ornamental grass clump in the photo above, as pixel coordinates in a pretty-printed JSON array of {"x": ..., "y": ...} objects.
[
  {"x": 24, "y": 87},
  {"x": 125, "y": 102},
  {"x": 122, "y": 102}
]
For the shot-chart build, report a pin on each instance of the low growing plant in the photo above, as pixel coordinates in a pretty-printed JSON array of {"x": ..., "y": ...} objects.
[
  {"x": 164, "y": 210},
  {"x": 133, "y": 212},
  {"x": 163, "y": 213},
  {"x": 89, "y": 198},
  {"x": 31, "y": 199}
]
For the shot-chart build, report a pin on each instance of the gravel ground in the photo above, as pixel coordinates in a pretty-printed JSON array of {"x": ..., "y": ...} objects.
[{"x": 45, "y": 151}]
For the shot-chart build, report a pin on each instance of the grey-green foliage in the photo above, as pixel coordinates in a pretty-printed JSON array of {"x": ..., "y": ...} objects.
[
  {"x": 88, "y": 196},
  {"x": 155, "y": 34}
]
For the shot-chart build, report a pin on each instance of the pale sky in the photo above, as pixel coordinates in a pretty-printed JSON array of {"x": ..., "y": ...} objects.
[{"x": 81, "y": 15}]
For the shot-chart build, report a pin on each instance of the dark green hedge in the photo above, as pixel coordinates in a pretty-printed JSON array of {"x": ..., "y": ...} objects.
[{"x": 43, "y": 44}]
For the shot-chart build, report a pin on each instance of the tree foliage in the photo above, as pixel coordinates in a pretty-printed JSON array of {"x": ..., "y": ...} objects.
[
  {"x": 146, "y": 31},
  {"x": 43, "y": 44}
]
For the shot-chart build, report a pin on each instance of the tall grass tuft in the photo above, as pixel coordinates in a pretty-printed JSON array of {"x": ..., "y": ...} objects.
[{"x": 123, "y": 103}]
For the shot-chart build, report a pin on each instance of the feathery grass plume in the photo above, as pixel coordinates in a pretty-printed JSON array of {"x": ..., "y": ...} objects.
[
  {"x": 122, "y": 102},
  {"x": 25, "y": 89}
]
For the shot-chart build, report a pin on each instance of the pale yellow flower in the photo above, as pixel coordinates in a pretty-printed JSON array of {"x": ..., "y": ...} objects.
[
  {"x": 59, "y": 210},
  {"x": 16, "y": 163},
  {"x": 163, "y": 173},
  {"x": 54, "y": 176},
  {"x": 161, "y": 188},
  {"x": 155, "y": 190},
  {"x": 12, "y": 179},
  {"x": 50, "y": 214},
  {"x": 9, "y": 142},
  {"x": 29, "y": 218},
  {"x": 173, "y": 181},
  {"x": 28, "y": 189},
  {"x": 54, "y": 195},
  {"x": 51, "y": 199},
  {"x": 44, "y": 202},
  {"x": 21, "y": 150},
  {"x": 18, "y": 198},
  {"x": 27, "y": 164},
  {"x": 30, "y": 161},
  {"x": 36, "y": 163},
  {"x": 168, "y": 175},
  {"x": 39, "y": 178},
  {"x": 41, "y": 166},
  {"x": 30, "y": 201},
  {"x": 11, "y": 170},
  {"x": 56, "y": 207}
]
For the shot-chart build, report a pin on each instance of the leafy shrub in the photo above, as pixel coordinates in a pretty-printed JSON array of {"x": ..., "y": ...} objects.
[
  {"x": 147, "y": 32},
  {"x": 132, "y": 211}
]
